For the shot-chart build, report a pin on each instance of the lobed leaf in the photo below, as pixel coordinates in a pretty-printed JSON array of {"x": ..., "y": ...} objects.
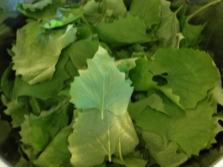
[{"x": 101, "y": 86}]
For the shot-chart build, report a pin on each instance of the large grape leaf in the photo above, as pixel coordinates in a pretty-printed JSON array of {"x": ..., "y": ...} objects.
[
  {"x": 94, "y": 139},
  {"x": 148, "y": 10},
  {"x": 128, "y": 30},
  {"x": 179, "y": 132},
  {"x": 187, "y": 80},
  {"x": 101, "y": 86},
  {"x": 37, "y": 62}
]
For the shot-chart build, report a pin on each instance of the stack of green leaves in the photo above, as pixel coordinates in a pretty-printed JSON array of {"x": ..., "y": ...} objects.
[{"x": 111, "y": 83}]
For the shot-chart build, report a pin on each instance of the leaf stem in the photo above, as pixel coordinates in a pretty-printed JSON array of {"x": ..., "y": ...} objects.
[
  {"x": 202, "y": 8},
  {"x": 120, "y": 151}
]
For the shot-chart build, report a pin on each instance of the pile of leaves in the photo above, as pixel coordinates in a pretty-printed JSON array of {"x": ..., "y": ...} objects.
[{"x": 111, "y": 83}]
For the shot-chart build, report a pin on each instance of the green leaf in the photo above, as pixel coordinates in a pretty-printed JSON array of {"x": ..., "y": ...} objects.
[
  {"x": 132, "y": 160},
  {"x": 165, "y": 153},
  {"x": 101, "y": 86},
  {"x": 185, "y": 76},
  {"x": 33, "y": 30},
  {"x": 7, "y": 82},
  {"x": 5, "y": 130},
  {"x": 116, "y": 6},
  {"x": 37, "y": 62},
  {"x": 169, "y": 28},
  {"x": 192, "y": 34},
  {"x": 92, "y": 12},
  {"x": 56, "y": 153},
  {"x": 17, "y": 110},
  {"x": 62, "y": 17},
  {"x": 140, "y": 75},
  {"x": 180, "y": 127},
  {"x": 44, "y": 90},
  {"x": 79, "y": 54},
  {"x": 95, "y": 138},
  {"x": 39, "y": 10},
  {"x": 128, "y": 30},
  {"x": 38, "y": 131},
  {"x": 32, "y": 7},
  {"x": 148, "y": 10}
]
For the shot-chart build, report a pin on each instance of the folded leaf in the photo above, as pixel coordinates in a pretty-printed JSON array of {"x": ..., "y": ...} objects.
[
  {"x": 37, "y": 62},
  {"x": 43, "y": 90}
]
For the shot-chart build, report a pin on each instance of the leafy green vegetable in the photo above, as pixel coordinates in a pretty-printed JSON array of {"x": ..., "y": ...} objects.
[
  {"x": 68, "y": 16},
  {"x": 53, "y": 155},
  {"x": 148, "y": 10},
  {"x": 94, "y": 138},
  {"x": 41, "y": 66},
  {"x": 102, "y": 86},
  {"x": 175, "y": 128},
  {"x": 32, "y": 131},
  {"x": 131, "y": 160},
  {"x": 168, "y": 30},
  {"x": 5, "y": 130},
  {"x": 110, "y": 83},
  {"x": 123, "y": 31}
]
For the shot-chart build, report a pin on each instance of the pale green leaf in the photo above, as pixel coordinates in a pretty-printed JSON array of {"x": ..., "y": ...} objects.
[
  {"x": 101, "y": 86},
  {"x": 37, "y": 62},
  {"x": 94, "y": 139}
]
